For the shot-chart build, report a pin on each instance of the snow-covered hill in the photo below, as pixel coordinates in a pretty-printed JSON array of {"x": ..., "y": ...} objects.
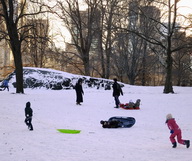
[
  {"x": 57, "y": 80},
  {"x": 147, "y": 140}
]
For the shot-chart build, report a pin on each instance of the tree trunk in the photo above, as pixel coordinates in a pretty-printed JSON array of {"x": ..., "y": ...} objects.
[
  {"x": 86, "y": 63},
  {"x": 101, "y": 58},
  {"x": 132, "y": 81},
  {"x": 168, "y": 88},
  {"x": 18, "y": 67},
  {"x": 143, "y": 80},
  {"x": 108, "y": 56},
  {"x": 15, "y": 45},
  {"x": 19, "y": 75}
]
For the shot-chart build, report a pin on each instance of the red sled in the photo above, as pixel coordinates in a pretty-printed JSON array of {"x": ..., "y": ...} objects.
[
  {"x": 131, "y": 105},
  {"x": 129, "y": 108}
]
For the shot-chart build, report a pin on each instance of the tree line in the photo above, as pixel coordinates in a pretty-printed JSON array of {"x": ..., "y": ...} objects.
[{"x": 137, "y": 41}]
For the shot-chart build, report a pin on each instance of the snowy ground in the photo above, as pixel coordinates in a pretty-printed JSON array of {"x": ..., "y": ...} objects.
[{"x": 147, "y": 140}]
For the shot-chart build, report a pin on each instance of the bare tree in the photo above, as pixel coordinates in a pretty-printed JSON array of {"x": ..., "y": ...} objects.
[
  {"x": 181, "y": 61},
  {"x": 13, "y": 15},
  {"x": 110, "y": 12},
  {"x": 36, "y": 46},
  {"x": 167, "y": 25},
  {"x": 80, "y": 24},
  {"x": 130, "y": 52}
]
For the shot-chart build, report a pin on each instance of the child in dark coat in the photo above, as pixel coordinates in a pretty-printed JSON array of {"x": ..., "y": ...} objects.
[
  {"x": 175, "y": 132},
  {"x": 28, "y": 115}
]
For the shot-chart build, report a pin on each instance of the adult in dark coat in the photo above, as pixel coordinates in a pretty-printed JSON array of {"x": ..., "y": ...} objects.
[
  {"x": 28, "y": 115},
  {"x": 79, "y": 92},
  {"x": 116, "y": 92}
]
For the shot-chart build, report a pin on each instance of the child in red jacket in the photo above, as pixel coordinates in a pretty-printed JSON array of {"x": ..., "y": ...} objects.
[{"x": 175, "y": 132}]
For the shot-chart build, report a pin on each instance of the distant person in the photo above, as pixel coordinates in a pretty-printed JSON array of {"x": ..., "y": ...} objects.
[
  {"x": 116, "y": 92},
  {"x": 5, "y": 84},
  {"x": 28, "y": 115},
  {"x": 175, "y": 132},
  {"x": 79, "y": 92}
]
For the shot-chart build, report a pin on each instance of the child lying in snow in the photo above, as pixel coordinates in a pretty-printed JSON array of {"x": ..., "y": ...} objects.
[{"x": 115, "y": 122}]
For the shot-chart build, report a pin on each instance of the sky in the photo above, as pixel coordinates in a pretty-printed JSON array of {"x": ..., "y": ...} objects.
[{"x": 186, "y": 6}]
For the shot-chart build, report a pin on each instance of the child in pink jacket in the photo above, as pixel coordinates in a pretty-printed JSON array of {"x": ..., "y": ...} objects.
[{"x": 175, "y": 132}]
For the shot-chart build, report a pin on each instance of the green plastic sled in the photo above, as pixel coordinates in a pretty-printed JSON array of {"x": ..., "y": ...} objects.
[{"x": 68, "y": 131}]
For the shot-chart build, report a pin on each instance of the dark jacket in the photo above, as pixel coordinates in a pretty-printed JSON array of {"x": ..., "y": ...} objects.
[
  {"x": 5, "y": 83},
  {"x": 79, "y": 92},
  {"x": 28, "y": 110},
  {"x": 117, "y": 89}
]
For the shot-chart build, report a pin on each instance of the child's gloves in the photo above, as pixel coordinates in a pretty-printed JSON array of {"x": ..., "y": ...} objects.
[{"x": 171, "y": 131}]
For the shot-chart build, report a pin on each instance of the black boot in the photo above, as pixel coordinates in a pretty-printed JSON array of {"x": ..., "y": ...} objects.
[
  {"x": 187, "y": 143},
  {"x": 174, "y": 145},
  {"x": 31, "y": 129}
]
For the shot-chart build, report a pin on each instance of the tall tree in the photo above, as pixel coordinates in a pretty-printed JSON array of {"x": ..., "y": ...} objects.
[
  {"x": 166, "y": 27},
  {"x": 181, "y": 61},
  {"x": 80, "y": 23},
  {"x": 13, "y": 16},
  {"x": 107, "y": 12},
  {"x": 34, "y": 49},
  {"x": 131, "y": 52},
  {"x": 108, "y": 36}
]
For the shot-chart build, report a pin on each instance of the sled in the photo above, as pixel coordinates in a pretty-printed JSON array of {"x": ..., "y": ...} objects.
[
  {"x": 119, "y": 122},
  {"x": 69, "y": 131},
  {"x": 125, "y": 121}
]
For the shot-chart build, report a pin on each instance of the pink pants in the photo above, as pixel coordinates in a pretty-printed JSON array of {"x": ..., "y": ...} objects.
[{"x": 177, "y": 133}]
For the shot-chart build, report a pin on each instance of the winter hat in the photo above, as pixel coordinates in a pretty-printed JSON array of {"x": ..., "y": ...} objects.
[
  {"x": 115, "y": 79},
  {"x": 169, "y": 116},
  {"x": 80, "y": 80},
  {"x": 102, "y": 122},
  {"x": 28, "y": 104}
]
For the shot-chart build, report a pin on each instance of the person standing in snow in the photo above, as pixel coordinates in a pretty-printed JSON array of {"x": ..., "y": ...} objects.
[
  {"x": 5, "y": 84},
  {"x": 175, "y": 132},
  {"x": 28, "y": 115},
  {"x": 79, "y": 92},
  {"x": 116, "y": 92}
]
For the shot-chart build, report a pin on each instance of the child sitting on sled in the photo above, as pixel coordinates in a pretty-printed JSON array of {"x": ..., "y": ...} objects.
[
  {"x": 175, "y": 132},
  {"x": 131, "y": 105}
]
